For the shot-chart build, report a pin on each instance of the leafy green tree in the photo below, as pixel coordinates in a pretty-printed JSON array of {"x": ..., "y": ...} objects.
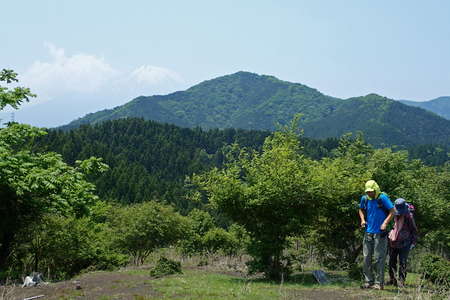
[
  {"x": 35, "y": 183},
  {"x": 200, "y": 222},
  {"x": 267, "y": 193},
  {"x": 140, "y": 229},
  {"x": 338, "y": 186},
  {"x": 63, "y": 246},
  {"x": 12, "y": 97},
  {"x": 219, "y": 240}
]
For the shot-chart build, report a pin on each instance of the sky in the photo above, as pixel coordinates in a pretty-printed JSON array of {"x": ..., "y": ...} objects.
[{"x": 83, "y": 56}]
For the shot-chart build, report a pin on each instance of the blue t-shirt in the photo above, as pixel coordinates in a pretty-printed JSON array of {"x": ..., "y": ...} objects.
[{"x": 375, "y": 216}]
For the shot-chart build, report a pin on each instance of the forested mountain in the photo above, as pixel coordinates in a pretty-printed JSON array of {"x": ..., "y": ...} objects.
[
  {"x": 151, "y": 160},
  {"x": 440, "y": 106},
  {"x": 250, "y": 101}
]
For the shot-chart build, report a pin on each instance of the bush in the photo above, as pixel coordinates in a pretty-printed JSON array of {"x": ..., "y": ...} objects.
[
  {"x": 219, "y": 240},
  {"x": 142, "y": 228},
  {"x": 436, "y": 269},
  {"x": 355, "y": 272},
  {"x": 165, "y": 266},
  {"x": 62, "y": 247}
]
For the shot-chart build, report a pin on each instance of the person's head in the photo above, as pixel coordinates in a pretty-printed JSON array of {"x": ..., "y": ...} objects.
[
  {"x": 401, "y": 207},
  {"x": 372, "y": 189}
]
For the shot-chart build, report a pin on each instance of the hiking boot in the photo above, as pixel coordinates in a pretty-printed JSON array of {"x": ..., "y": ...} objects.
[
  {"x": 377, "y": 286},
  {"x": 366, "y": 285}
]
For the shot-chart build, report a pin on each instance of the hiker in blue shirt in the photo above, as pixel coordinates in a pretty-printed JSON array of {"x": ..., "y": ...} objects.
[{"x": 375, "y": 212}]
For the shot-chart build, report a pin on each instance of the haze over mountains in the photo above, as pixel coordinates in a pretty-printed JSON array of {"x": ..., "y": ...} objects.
[
  {"x": 440, "y": 106},
  {"x": 251, "y": 101}
]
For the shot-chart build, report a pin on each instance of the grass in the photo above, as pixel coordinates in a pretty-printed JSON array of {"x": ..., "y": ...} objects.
[
  {"x": 208, "y": 285},
  {"x": 218, "y": 281},
  {"x": 201, "y": 284}
]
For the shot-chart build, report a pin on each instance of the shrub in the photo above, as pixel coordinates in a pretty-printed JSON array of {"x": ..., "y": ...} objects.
[
  {"x": 142, "y": 228},
  {"x": 62, "y": 247},
  {"x": 355, "y": 272},
  {"x": 165, "y": 266},
  {"x": 436, "y": 269},
  {"x": 219, "y": 240}
]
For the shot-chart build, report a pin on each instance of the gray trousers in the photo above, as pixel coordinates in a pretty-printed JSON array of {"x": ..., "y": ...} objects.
[{"x": 376, "y": 246}]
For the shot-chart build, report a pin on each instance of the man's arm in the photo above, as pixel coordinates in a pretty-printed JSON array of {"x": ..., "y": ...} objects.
[
  {"x": 362, "y": 218},
  {"x": 388, "y": 219}
]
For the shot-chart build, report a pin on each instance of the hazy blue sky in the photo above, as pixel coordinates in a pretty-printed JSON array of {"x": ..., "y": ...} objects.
[{"x": 83, "y": 56}]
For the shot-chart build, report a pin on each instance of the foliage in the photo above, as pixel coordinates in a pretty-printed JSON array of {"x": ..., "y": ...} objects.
[
  {"x": 355, "y": 272},
  {"x": 61, "y": 247},
  {"x": 12, "y": 97},
  {"x": 165, "y": 266},
  {"x": 149, "y": 160},
  {"x": 205, "y": 238},
  {"x": 139, "y": 229},
  {"x": 35, "y": 183},
  {"x": 338, "y": 183},
  {"x": 436, "y": 269},
  {"x": 200, "y": 222},
  {"x": 432, "y": 155},
  {"x": 250, "y": 101},
  {"x": 242, "y": 238},
  {"x": 440, "y": 106},
  {"x": 265, "y": 193},
  {"x": 219, "y": 240},
  {"x": 429, "y": 191},
  {"x": 383, "y": 121}
]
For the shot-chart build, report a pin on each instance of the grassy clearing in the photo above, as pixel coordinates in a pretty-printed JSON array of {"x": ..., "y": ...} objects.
[
  {"x": 201, "y": 284},
  {"x": 214, "y": 281}
]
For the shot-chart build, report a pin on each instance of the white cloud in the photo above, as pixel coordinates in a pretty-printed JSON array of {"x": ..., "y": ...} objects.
[
  {"x": 90, "y": 75},
  {"x": 77, "y": 73},
  {"x": 69, "y": 86},
  {"x": 152, "y": 75}
]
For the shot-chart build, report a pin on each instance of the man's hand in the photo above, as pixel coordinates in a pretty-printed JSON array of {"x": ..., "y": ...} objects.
[
  {"x": 383, "y": 227},
  {"x": 363, "y": 224}
]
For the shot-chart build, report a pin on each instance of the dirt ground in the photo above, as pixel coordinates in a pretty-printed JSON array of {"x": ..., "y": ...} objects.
[
  {"x": 97, "y": 285},
  {"x": 127, "y": 285}
]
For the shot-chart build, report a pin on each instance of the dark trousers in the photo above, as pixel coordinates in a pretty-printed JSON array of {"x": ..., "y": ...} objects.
[{"x": 401, "y": 255}]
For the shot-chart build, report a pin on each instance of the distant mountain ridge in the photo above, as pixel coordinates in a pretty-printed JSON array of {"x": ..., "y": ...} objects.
[
  {"x": 251, "y": 101},
  {"x": 440, "y": 106}
]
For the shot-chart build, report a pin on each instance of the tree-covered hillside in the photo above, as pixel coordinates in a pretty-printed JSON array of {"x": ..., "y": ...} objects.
[
  {"x": 250, "y": 101},
  {"x": 440, "y": 106},
  {"x": 151, "y": 160},
  {"x": 384, "y": 122}
]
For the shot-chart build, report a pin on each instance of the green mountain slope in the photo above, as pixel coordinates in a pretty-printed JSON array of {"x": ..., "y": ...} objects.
[
  {"x": 151, "y": 160},
  {"x": 250, "y": 101},
  {"x": 440, "y": 106},
  {"x": 384, "y": 122}
]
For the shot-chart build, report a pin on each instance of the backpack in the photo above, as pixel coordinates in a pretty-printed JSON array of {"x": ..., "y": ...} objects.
[
  {"x": 411, "y": 208},
  {"x": 379, "y": 204}
]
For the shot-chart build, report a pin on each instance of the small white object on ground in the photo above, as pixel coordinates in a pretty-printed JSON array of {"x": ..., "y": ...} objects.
[{"x": 34, "y": 297}]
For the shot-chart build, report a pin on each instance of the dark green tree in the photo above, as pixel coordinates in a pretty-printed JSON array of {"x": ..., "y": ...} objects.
[
  {"x": 268, "y": 194},
  {"x": 35, "y": 183}
]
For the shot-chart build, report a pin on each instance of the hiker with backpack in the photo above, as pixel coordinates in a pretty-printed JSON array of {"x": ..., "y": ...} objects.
[
  {"x": 402, "y": 238},
  {"x": 375, "y": 212}
]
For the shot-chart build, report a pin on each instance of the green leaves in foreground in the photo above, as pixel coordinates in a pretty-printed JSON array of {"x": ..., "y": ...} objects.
[
  {"x": 266, "y": 193},
  {"x": 279, "y": 193},
  {"x": 15, "y": 96},
  {"x": 141, "y": 228},
  {"x": 35, "y": 183}
]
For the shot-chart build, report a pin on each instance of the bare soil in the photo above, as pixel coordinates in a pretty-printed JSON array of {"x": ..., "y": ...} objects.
[
  {"x": 96, "y": 285},
  {"x": 127, "y": 285}
]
